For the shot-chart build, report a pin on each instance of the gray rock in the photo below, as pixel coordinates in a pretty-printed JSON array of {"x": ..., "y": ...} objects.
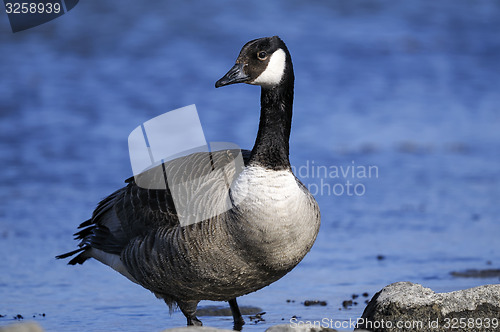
[
  {"x": 301, "y": 328},
  {"x": 405, "y": 306},
  {"x": 22, "y": 327}
]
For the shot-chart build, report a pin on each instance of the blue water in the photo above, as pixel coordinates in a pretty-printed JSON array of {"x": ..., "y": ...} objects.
[{"x": 409, "y": 89}]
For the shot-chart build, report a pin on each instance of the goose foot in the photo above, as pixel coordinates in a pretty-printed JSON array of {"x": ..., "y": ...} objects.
[
  {"x": 189, "y": 310},
  {"x": 194, "y": 321},
  {"x": 237, "y": 318}
]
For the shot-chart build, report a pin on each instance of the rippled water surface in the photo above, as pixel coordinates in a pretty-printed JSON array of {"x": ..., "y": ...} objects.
[{"x": 406, "y": 91}]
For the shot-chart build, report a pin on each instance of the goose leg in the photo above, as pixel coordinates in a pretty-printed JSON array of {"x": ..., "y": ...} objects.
[
  {"x": 235, "y": 310},
  {"x": 189, "y": 310}
]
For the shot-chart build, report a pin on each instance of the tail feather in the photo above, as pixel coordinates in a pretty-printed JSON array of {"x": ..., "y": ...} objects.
[
  {"x": 82, "y": 257},
  {"x": 86, "y": 223},
  {"x": 82, "y": 234}
]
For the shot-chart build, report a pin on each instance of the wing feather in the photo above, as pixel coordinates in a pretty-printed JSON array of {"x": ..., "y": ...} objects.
[{"x": 132, "y": 212}]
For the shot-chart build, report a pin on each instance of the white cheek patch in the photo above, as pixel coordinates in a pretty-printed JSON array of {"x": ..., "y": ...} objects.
[{"x": 274, "y": 71}]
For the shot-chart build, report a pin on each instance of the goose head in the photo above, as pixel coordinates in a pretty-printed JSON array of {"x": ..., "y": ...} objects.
[{"x": 265, "y": 62}]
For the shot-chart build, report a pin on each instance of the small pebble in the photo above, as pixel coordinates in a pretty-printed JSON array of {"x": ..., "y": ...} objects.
[
  {"x": 380, "y": 257},
  {"x": 365, "y": 294},
  {"x": 308, "y": 303},
  {"x": 257, "y": 317},
  {"x": 347, "y": 303},
  {"x": 354, "y": 296}
]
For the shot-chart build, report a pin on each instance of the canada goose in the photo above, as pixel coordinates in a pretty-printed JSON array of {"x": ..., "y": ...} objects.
[{"x": 137, "y": 232}]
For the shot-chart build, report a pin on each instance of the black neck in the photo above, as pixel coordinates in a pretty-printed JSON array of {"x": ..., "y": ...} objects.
[{"x": 271, "y": 146}]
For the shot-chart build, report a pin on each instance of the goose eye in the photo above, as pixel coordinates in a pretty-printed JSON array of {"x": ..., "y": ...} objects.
[{"x": 262, "y": 55}]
